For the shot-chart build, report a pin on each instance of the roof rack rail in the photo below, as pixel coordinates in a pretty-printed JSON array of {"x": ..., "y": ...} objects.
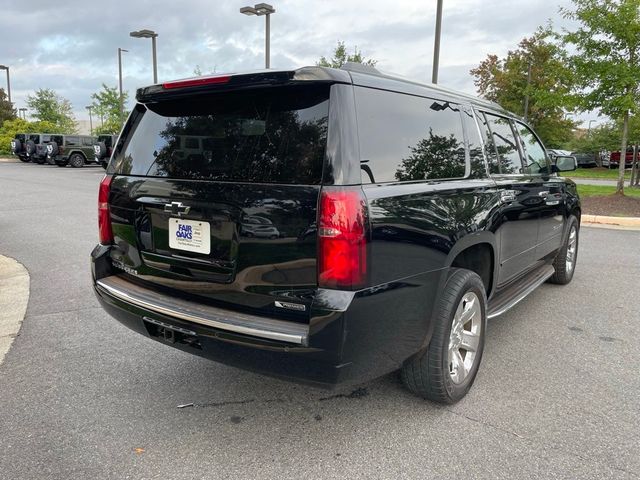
[{"x": 360, "y": 67}]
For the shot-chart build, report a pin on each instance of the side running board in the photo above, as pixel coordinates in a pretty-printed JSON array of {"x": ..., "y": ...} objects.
[{"x": 514, "y": 293}]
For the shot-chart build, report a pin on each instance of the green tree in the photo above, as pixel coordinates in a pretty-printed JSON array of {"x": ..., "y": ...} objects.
[
  {"x": 46, "y": 105},
  {"x": 340, "y": 57},
  {"x": 602, "y": 137},
  {"x": 106, "y": 107},
  {"x": 537, "y": 69},
  {"x": 607, "y": 61},
  {"x": 7, "y": 112}
]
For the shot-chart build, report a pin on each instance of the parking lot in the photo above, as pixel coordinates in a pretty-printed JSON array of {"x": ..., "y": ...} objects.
[{"x": 81, "y": 396}]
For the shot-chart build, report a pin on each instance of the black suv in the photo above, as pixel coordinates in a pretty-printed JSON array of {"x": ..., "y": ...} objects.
[
  {"x": 73, "y": 150},
  {"x": 18, "y": 146},
  {"x": 406, "y": 216},
  {"x": 103, "y": 148}
]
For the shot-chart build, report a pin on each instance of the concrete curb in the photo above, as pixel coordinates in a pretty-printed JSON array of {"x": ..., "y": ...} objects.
[
  {"x": 14, "y": 297},
  {"x": 601, "y": 220}
]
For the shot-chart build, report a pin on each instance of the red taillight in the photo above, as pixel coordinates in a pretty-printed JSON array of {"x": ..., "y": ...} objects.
[
  {"x": 342, "y": 239},
  {"x": 194, "y": 82},
  {"x": 104, "y": 219}
]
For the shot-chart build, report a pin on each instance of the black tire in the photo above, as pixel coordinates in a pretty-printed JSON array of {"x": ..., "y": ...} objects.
[
  {"x": 50, "y": 160},
  {"x": 61, "y": 164},
  {"x": 53, "y": 149},
  {"x": 76, "y": 160},
  {"x": 100, "y": 150},
  {"x": 16, "y": 146},
  {"x": 565, "y": 270},
  {"x": 30, "y": 147},
  {"x": 40, "y": 160},
  {"x": 428, "y": 374},
  {"x": 24, "y": 158}
]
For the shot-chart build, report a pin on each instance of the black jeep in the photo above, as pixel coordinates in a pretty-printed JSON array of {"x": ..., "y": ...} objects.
[
  {"x": 36, "y": 147},
  {"x": 406, "y": 216},
  {"x": 72, "y": 150},
  {"x": 18, "y": 146},
  {"x": 103, "y": 148}
]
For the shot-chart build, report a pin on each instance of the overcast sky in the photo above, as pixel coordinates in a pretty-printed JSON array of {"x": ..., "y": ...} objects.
[{"x": 71, "y": 45}]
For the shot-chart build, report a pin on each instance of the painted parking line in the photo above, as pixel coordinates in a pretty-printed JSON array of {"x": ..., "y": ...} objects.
[{"x": 14, "y": 296}]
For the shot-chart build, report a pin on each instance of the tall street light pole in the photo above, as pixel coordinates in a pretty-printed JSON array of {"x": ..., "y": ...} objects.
[
  {"x": 146, "y": 33},
  {"x": 3, "y": 67},
  {"x": 120, "y": 50},
  {"x": 261, "y": 9},
  {"x": 526, "y": 96},
  {"x": 23, "y": 113},
  {"x": 89, "y": 107},
  {"x": 436, "y": 43}
]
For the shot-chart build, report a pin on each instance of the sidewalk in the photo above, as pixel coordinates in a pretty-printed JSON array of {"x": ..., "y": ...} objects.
[
  {"x": 14, "y": 296},
  {"x": 597, "y": 181}
]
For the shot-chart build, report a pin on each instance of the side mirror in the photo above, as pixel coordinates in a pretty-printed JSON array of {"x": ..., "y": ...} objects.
[{"x": 565, "y": 163}]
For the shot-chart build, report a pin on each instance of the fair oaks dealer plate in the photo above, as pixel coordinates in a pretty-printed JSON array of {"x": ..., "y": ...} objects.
[{"x": 190, "y": 235}]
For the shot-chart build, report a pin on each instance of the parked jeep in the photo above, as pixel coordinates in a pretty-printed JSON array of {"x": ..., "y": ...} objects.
[
  {"x": 412, "y": 214},
  {"x": 103, "y": 148},
  {"x": 36, "y": 147},
  {"x": 72, "y": 150},
  {"x": 18, "y": 146}
]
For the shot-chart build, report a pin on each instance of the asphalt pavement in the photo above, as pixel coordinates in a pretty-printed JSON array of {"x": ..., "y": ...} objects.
[{"x": 557, "y": 395}]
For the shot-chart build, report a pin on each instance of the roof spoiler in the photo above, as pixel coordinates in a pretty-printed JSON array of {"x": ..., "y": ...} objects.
[{"x": 233, "y": 81}]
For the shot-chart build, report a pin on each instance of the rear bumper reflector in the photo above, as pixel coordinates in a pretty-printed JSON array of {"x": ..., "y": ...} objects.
[{"x": 189, "y": 311}]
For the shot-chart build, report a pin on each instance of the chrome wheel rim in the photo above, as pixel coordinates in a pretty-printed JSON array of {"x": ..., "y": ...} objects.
[
  {"x": 572, "y": 249},
  {"x": 464, "y": 339}
]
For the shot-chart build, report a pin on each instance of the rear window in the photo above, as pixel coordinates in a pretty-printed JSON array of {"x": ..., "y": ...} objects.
[{"x": 262, "y": 136}]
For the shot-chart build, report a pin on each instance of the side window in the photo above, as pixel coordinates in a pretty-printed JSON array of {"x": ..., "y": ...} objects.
[
  {"x": 57, "y": 139},
  {"x": 73, "y": 141},
  {"x": 404, "y": 137},
  {"x": 87, "y": 141},
  {"x": 535, "y": 160},
  {"x": 476, "y": 155},
  {"x": 504, "y": 141},
  {"x": 191, "y": 143}
]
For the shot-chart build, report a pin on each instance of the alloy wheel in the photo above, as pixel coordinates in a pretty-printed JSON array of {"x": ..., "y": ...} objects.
[{"x": 464, "y": 339}]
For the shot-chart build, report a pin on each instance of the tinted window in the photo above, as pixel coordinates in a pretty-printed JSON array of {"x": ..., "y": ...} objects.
[
  {"x": 273, "y": 136},
  {"x": 57, "y": 139},
  {"x": 535, "y": 160},
  {"x": 506, "y": 149},
  {"x": 72, "y": 141},
  {"x": 191, "y": 143},
  {"x": 87, "y": 141},
  {"x": 478, "y": 169},
  {"x": 403, "y": 137}
]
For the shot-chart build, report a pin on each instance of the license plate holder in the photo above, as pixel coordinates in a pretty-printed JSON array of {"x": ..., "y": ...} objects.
[{"x": 190, "y": 235}]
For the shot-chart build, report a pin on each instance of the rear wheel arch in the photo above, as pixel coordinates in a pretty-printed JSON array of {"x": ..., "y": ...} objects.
[{"x": 477, "y": 254}]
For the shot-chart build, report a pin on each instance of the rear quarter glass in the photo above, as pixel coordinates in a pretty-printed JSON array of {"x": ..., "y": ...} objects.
[{"x": 276, "y": 135}]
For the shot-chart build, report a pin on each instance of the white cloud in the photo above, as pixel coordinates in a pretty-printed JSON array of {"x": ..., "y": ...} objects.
[{"x": 72, "y": 47}]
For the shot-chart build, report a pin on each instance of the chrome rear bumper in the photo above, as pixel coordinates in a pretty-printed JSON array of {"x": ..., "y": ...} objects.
[{"x": 228, "y": 320}]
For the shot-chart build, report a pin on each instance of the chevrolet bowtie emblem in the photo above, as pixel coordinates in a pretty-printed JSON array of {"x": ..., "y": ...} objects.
[{"x": 176, "y": 208}]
